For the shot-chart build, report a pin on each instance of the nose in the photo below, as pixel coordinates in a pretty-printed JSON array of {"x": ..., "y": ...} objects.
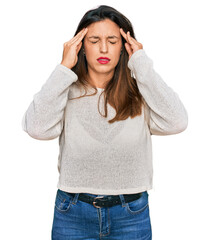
[{"x": 103, "y": 47}]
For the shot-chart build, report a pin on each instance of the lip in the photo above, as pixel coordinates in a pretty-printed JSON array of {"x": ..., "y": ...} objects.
[{"x": 103, "y": 60}]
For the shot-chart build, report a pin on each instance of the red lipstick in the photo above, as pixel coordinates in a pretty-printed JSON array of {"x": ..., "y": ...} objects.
[{"x": 103, "y": 60}]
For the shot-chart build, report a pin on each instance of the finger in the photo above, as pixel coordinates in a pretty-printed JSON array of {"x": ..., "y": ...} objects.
[
  {"x": 130, "y": 39},
  {"x": 77, "y": 41},
  {"x": 81, "y": 32},
  {"x": 134, "y": 42},
  {"x": 78, "y": 47},
  {"x": 80, "y": 37},
  {"x": 77, "y": 36},
  {"x": 123, "y": 34},
  {"x": 128, "y": 48}
]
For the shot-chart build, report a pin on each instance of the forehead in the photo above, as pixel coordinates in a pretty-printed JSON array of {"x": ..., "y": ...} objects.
[{"x": 103, "y": 28}]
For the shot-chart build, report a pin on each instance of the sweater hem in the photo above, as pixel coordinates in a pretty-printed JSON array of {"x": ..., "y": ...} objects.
[{"x": 104, "y": 191}]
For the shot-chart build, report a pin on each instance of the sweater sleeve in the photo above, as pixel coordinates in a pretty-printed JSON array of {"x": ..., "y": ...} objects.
[
  {"x": 43, "y": 119},
  {"x": 166, "y": 113}
]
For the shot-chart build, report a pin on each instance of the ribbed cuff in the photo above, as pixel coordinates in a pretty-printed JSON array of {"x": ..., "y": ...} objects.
[
  {"x": 64, "y": 69},
  {"x": 140, "y": 52}
]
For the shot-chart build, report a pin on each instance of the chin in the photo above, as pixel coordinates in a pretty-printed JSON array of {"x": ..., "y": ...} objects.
[
  {"x": 103, "y": 68},
  {"x": 107, "y": 70}
]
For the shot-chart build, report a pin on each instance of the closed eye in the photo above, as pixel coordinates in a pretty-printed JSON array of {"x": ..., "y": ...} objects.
[{"x": 110, "y": 42}]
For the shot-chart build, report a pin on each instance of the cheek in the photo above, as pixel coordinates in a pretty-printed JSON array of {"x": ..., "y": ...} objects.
[
  {"x": 117, "y": 49},
  {"x": 87, "y": 47},
  {"x": 116, "y": 53},
  {"x": 90, "y": 51},
  {"x": 91, "y": 56}
]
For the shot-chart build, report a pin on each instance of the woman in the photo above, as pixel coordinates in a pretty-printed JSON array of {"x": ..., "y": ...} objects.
[{"x": 104, "y": 101}]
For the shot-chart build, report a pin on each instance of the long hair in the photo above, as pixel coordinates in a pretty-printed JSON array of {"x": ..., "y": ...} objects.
[{"x": 121, "y": 92}]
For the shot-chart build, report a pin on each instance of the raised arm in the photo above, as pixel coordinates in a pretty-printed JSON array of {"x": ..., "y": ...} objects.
[
  {"x": 164, "y": 110},
  {"x": 44, "y": 118},
  {"x": 167, "y": 114}
]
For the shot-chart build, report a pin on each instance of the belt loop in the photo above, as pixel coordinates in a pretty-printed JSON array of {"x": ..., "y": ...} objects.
[
  {"x": 122, "y": 200},
  {"x": 74, "y": 201}
]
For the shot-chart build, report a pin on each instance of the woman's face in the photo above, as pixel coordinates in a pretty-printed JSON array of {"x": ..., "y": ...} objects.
[{"x": 103, "y": 39}]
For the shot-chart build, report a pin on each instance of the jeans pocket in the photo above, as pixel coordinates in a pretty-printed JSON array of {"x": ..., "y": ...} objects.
[
  {"x": 63, "y": 201},
  {"x": 139, "y": 205}
]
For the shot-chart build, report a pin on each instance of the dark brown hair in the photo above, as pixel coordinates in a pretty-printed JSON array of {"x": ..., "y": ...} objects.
[{"x": 121, "y": 92}]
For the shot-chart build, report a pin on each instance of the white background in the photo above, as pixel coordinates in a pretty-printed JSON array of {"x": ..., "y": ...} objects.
[{"x": 175, "y": 35}]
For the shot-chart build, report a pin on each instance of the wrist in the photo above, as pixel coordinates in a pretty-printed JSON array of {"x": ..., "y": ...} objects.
[{"x": 66, "y": 65}]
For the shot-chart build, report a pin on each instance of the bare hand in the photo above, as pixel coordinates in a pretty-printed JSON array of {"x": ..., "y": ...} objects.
[
  {"x": 131, "y": 44},
  {"x": 71, "y": 49}
]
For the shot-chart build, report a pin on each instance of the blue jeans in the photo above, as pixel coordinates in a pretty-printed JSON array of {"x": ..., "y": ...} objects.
[{"x": 75, "y": 220}]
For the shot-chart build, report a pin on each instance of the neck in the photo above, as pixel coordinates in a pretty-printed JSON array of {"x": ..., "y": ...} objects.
[{"x": 99, "y": 79}]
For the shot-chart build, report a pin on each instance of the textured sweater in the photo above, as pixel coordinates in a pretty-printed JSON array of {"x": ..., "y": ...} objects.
[{"x": 95, "y": 156}]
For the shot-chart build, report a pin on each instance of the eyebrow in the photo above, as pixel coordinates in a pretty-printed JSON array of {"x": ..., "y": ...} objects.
[{"x": 96, "y": 37}]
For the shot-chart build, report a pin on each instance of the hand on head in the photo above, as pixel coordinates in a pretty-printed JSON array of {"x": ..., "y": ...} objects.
[
  {"x": 71, "y": 49},
  {"x": 131, "y": 44}
]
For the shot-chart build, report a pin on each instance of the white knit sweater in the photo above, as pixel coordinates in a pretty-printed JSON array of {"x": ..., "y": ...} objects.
[{"x": 97, "y": 157}]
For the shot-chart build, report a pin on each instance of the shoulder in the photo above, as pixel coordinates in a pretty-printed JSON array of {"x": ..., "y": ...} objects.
[{"x": 76, "y": 90}]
